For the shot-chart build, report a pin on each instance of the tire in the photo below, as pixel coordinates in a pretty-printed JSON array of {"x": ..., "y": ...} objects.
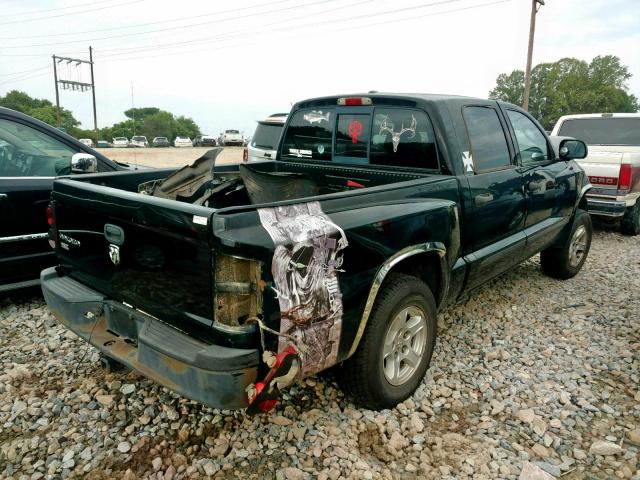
[
  {"x": 630, "y": 224},
  {"x": 566, "y": 261},
  {"x": 366, "y": 376}
]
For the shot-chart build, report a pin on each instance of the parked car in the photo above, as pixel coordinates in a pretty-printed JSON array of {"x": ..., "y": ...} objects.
[
  {"x": 104, "y": 144},
  {"x": 182, "y": 142},
  {"x": 120, "y": 142},
  {"x": 32, "y": 153},
  {"x": 160, "y": 142},
  {"x": 139, "y": 141},
  {"x": 265, "y": 139},
  {"x": 613, "y": 163},
  {"x": 204, "y": 141},
  {"x": 86, "y": 141},
  {"x": 376, "y": 212},
  {"x": 230, "y": 137}
]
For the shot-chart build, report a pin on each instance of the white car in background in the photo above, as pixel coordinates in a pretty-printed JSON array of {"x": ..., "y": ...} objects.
[
  {"x": 612, "y": 164},
  {"x": 86, "y": 141},
  {"x": 182, "y": 142},
  {"x": 264, "y": 143},
  {"x": 231, "y": 137},
  {"x": 120, "y": 142},
  {"x": 139, "y": 141}
]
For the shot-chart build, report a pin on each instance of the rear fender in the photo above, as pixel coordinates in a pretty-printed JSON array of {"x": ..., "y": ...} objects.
[{"x": 395, "y": 263}]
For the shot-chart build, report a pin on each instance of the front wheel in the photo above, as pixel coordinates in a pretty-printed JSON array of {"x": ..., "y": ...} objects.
[
  {"x": 565, "y": 262},
  {"x": 630, "y": 224},
  {"x": 396, "y": 348}
]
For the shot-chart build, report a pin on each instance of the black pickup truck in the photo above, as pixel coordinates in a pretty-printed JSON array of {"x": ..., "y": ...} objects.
[{"x": 226, "y": 284}]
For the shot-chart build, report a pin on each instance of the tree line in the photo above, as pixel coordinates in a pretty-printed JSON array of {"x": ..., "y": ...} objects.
[
  {"x": 570, "y": 86},
  {"x": 148, "y": 121}
]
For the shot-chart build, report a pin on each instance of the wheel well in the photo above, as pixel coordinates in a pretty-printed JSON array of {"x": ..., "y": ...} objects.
[{"x": 425, "y": 266}]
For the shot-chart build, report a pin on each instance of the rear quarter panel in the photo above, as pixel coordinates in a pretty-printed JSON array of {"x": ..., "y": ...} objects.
[{"x": 356, "y": 233}]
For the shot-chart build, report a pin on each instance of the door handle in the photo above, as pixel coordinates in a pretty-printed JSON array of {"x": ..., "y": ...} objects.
[
  {"x": 3, "y": 196},
  {"x": 483, "y": 198}
]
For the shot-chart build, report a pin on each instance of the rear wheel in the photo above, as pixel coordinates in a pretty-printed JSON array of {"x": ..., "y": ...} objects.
[
  {"x": 566, "y": 261},
  {"x": 630, "y": 224},
  {"x": 396, "y": 348}
]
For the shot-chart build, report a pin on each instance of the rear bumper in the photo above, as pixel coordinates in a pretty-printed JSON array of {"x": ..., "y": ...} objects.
[
  {"x": 214, "y": 375},
  {"x": 607, "y": 208}
]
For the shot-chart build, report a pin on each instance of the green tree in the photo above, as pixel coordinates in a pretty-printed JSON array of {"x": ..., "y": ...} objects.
[
  {"x": 141, "y": 113},
  {"x": 570, "y": 86},
  {"x": 187, "y": 127},
  {"x": 39, "y": 108}
]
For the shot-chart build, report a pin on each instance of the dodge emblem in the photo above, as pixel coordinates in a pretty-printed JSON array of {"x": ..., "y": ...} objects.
[{"x": 114, "y": 254}]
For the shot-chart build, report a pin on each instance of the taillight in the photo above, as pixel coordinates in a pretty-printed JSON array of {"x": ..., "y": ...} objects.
[
  {"x": 624, "y": 179},
  {"x": 245, "y": 155},
  {"x": 352, "y": 101},
  {"x": 50, "y": 220}
]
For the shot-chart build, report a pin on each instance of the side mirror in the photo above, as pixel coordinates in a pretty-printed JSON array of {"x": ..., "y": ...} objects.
[
  {"x": 83, "y": 163},
  {"x": 571, "y": 148}
]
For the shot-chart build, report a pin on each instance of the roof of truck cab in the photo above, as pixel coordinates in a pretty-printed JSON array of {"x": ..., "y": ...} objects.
[{"x": 416, "y": 98}]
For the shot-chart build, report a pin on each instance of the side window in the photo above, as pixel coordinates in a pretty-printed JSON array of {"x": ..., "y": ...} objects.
[
  {"x": 403, "y": 138},
  {"x": 488, "y": 143},
  {"x": 532, "y": 144},
  {"x": 310, "y": 134},
  {"x": 26, "y": 152}
]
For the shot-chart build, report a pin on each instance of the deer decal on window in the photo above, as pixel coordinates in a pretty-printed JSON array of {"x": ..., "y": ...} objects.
[{"x": 395, "y": 136}]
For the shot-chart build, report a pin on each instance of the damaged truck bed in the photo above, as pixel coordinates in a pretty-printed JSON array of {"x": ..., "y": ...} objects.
[{"x": 228, "y": 283}]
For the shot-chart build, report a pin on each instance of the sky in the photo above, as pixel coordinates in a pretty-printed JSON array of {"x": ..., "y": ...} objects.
[{"x": 227, "y": 64}]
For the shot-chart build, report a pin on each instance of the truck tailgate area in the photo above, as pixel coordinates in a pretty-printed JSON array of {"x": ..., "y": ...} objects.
[{"x": 151, "y": 253}]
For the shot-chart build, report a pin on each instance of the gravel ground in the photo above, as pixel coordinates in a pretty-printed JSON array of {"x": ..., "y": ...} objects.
[{"x": 530, "y": 375}]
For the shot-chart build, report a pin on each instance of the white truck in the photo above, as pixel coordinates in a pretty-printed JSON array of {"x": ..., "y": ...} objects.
[
  {"x": 613, "y": 163},
  {"x": 231, "y": 137}
]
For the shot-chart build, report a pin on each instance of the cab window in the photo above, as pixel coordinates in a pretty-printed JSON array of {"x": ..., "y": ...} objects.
[
  {"x": 403, "y": 138},
  {"x": 309, "y": 135},
  {"x": 26, "y": 152},
  {"x": 532, "y": 145},
  {"x": 489, "y": 148}
]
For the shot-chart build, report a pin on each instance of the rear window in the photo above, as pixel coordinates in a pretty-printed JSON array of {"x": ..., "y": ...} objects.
[
  {"x": 395, "y": 137},
  {"x": 310, "y": 135},
  {"x": 603, "y": 131},
  {"x": 266, "y": 135},
  {"x": 139, "y": 139},
  {"x": 231, "y": 131},
  {"x": 121, "y": 139}
]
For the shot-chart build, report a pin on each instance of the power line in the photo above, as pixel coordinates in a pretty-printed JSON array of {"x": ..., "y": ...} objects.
[
  {"x": 160, "y": 22},
  {"x": 28, "y": 77},
  {"x": 25, "y": 71},
  {"x": 120, "y": 51},
  {"x": 121, "y": 57},
  {"x": 31, "y": 12},
  {"x": 67, "y": 14},
  {"x": 179, "y": 27}
]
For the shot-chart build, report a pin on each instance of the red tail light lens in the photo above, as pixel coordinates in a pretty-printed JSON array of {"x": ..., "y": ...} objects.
[
  {"x": 624, "y": 179},
  {"x": 352, "y": 101},
  {"x": 50, "y": 219},
  {"x": 245, "y": 155}
]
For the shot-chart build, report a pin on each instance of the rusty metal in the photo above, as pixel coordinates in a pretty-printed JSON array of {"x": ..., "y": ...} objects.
[{"x": 237, "y": 293}]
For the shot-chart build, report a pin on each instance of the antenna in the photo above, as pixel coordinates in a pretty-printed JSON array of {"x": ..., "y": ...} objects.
[{"x": 133, "y": 114}]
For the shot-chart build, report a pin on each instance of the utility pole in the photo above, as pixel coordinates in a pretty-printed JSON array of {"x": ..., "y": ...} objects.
[
  {"x": 93, "y": 94},
  {"x": 535, "y": 6},
  {"x": 74, "y": 85},
  {"x": 55, "y": 79}
]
